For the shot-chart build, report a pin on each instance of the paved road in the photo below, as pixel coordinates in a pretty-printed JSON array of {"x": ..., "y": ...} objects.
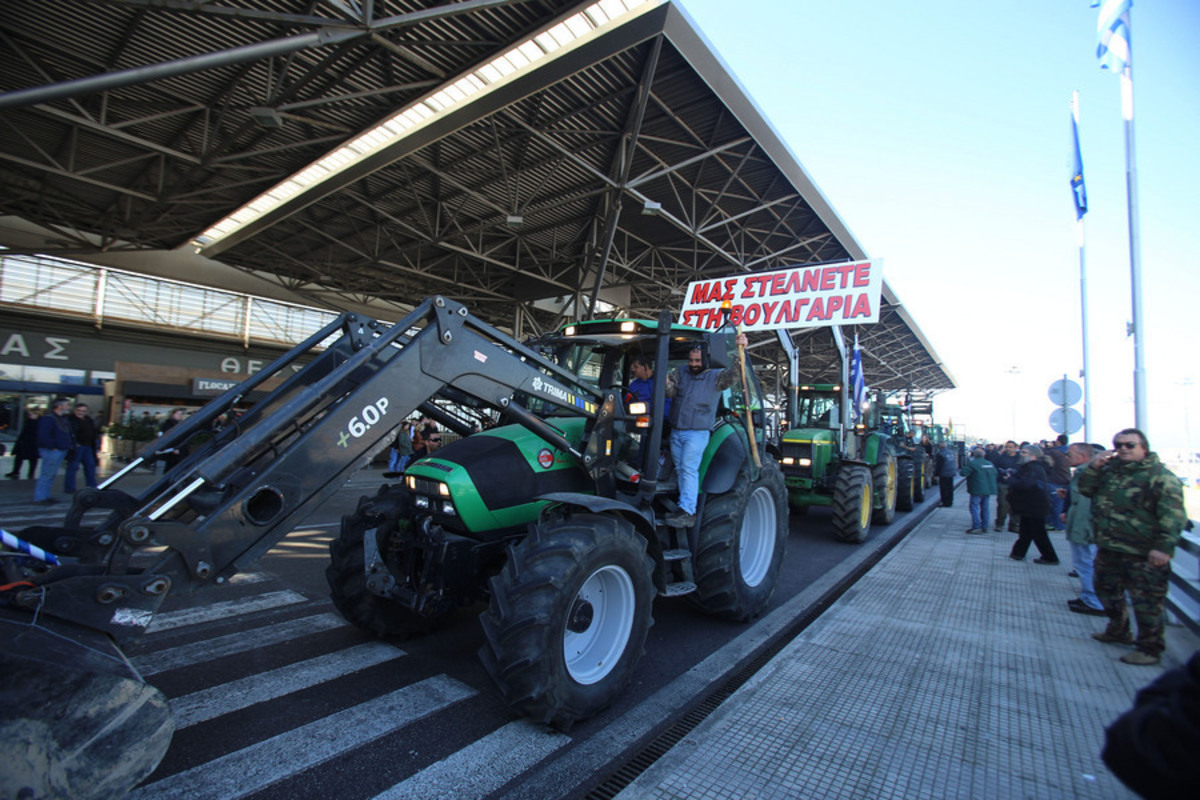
[{"x": 276, "y": 696}]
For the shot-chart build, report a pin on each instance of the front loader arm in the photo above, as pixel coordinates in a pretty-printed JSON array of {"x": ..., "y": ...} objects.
[{"x": 236, "y": 495}]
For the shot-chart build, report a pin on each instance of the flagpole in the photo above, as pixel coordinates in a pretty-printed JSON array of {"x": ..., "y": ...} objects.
[
  {"x": 1135, "y": 254},
  {"x": 1083, "y": 303},
  {"x": 1083, "y": 315}
]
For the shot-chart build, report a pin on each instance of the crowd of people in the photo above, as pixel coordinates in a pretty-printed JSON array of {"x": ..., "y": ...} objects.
[{"x": 1122, "y": 513}]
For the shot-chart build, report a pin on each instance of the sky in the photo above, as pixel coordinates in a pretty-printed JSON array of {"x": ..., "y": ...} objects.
[{"x": 940, "y": 133}]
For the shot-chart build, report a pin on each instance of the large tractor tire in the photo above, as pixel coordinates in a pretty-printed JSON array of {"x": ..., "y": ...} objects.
[
  {"x": 78, "y": 722},
  {"x": 921, "y": 469},
  {"x": 884, "y": 479},
  {"x": 568, "y": 617},
  {"x": 852, "y": 504},
  {"x": 346, "y": 573},
  {"x": 743, "y": 535},
  {"x": 906, "y": 484}
]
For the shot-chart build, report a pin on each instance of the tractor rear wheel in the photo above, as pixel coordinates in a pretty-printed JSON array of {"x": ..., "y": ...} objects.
[
  {"x": 743, "y": 535},
  {"x": 346, "y": 573},
  {"x": 852, "y": 504},
  {"x": 568, "y": 617},
  {"x": 906, "y": 484},
  {"x": 883, "y": 476}
]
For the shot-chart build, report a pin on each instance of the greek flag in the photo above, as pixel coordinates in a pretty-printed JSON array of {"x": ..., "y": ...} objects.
[
  {"x": 858, "y": 386},
  {"x": 1078, "y": 190},
  {"x": 1113, "y": 29}
]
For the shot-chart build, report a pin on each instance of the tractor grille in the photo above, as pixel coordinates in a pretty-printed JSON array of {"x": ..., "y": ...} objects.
[{"x": 790, "y": 462}]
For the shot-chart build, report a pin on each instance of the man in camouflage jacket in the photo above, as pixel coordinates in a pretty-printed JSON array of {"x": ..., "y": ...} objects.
[{"x": 1137, "y": 512}]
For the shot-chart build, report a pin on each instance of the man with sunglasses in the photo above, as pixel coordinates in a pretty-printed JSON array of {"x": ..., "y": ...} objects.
[{"x": 1138, "y": 516}]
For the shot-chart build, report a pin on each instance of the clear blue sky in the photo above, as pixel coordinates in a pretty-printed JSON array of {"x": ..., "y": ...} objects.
[{"x": 940, "y": 132}]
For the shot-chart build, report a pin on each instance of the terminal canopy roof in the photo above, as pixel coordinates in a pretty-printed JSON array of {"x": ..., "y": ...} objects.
[{"x": 540, "y": 160}]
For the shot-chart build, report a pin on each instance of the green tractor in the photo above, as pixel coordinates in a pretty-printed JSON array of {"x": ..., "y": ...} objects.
[
  {"x": 896, "y": 423},
  {"x": 853, "y": 468}
]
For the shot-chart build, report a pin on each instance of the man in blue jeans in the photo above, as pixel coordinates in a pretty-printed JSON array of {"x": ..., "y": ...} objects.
[
  {"x": 1080, "y": 535},
  {"x": 982, "y": 485},
  {"x": 54, "y": 441},
  {"x": 693, "y": 413},
  {"x": 83, "y": 452}
]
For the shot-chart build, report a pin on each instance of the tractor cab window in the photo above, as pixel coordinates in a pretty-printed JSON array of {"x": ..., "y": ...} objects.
[{"x": 818, "y": 411}]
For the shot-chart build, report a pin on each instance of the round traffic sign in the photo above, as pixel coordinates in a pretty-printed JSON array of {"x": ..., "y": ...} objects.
[
  {"x": 1065, "y": 420},
  {"x": 1065, "y": 393}
]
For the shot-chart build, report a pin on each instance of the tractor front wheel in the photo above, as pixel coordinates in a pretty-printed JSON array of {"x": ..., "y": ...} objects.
[
  {"x": 346, "y": 573},
  {"x": 568, "y": 617},
  {"x": 852, "y": 504},
  {"x": 883, "y": 476},
  {"x": 920, "y": 468},
  {"x": 743, "y": 535}
]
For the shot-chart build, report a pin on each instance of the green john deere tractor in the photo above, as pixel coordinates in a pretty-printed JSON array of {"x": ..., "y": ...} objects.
[
  {"x": 826, "y": 461},
  {"x": 896, "y": 423}
]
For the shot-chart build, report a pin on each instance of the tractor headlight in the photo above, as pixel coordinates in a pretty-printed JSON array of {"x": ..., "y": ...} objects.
[
  {"x": 787, "y": 461},
  {"x": 806, "y": 462},
  {"x": 639, "y": 409}
]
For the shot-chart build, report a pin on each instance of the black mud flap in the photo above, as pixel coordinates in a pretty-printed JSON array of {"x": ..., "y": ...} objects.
[{"x": 76, "y": 719}]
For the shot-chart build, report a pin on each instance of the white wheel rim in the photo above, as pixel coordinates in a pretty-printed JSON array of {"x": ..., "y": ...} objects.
[
  {"x": 592, "y": 650},
  {"x": 756, "y": 542}
]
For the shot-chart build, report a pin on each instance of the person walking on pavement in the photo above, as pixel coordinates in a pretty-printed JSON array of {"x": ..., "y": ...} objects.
[
  {"x": 1138, "y": 516},
  {"x": 83, "y": 429},
  {"x": 1028, "y": 500},
  {"x": 1006, "y": 462},
  {"x": 1080, "y": 535},
  {"x": 402, "y": 448},
  {"x": 946, "y": 465},
  {"x": 693, "y": 413},
  {"x": 25, "y": 450},
  {"x": 982, "y": 485},
  {"x": 54, "y": 441}
]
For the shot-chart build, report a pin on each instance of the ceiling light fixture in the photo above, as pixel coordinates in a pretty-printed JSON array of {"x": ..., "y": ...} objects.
[{"x": 524, "y": 56}]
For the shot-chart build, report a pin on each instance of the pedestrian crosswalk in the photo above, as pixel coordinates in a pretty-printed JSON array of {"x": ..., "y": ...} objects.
[{"x": 474, "y": 760}]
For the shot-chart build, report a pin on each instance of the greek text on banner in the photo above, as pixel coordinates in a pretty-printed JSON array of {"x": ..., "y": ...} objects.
[{"x": 796, "y": 297}]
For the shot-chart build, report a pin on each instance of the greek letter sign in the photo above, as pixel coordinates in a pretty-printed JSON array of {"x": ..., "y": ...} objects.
[{"x": 796, "y": 297}]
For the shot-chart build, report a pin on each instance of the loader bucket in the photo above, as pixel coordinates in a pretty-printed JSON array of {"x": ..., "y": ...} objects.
[{"x": 76, "y": 719}]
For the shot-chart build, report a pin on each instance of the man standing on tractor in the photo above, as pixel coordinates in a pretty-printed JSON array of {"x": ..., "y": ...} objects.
[{"x": 693, "y": 413}]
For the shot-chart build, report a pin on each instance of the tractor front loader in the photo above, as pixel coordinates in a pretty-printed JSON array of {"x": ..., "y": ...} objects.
[{"x": 553, "y": 518}]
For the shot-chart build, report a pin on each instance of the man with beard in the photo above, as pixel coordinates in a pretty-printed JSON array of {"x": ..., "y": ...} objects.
[{"x": 693, "y": 412}]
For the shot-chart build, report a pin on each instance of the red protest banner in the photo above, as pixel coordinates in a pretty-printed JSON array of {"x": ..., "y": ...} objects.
[{"x": 796, "y": 297}]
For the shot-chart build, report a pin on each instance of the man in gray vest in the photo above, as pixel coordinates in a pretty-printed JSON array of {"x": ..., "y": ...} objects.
[{"x": 693, "y": 413}]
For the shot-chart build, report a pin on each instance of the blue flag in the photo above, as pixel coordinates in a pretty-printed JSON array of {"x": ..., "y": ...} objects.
[
  {"x": 858, "y": 386},
  {"x": 1113, "y": 30},
  {"x": 1078, "y": 190}
]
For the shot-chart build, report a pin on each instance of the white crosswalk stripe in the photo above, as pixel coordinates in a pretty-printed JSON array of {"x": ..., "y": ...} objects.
[
  {"x": 250, "y": 769},
  {"x": 233, "y": 643},
  {"x": 482, "y": 767},
  {"x": 224, "y": 610},
  {"x": 227, "y": 697}
]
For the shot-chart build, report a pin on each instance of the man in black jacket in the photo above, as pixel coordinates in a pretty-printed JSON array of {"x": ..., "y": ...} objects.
[
  {"x": 1029, "y": 501},
  {"x": 87, "y": 438}
]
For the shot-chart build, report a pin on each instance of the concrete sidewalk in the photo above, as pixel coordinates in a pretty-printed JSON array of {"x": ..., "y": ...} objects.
[{"x": 948, "y": 671}]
